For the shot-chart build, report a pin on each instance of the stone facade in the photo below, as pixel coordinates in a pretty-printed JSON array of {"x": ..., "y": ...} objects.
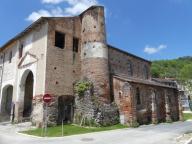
[{"x": 123, "y": 89}]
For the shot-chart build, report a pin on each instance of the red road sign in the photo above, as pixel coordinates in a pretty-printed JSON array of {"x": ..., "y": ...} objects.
[{"x": 47, "y": 98}]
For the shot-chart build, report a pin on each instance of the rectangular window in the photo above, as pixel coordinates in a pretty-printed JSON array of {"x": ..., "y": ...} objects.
[
  {"x": 138, "y": 96},
  {"x": 59, "y": 40},
  {"x": 10, "y": 56},
  {"x": 75, "y": 44},
  {"x": 21, "y": 51}
]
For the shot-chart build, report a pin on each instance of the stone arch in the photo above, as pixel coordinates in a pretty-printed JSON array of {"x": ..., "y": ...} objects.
[
  {"x": 27, "y": 92},
  {"x": 6, "y": 100}
]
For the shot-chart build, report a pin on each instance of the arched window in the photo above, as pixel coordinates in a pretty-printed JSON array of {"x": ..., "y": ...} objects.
[
  {"x": 145, "y": 72},
  {"x": 130, "y": 68},
  {"x": 138, "y": 97}
]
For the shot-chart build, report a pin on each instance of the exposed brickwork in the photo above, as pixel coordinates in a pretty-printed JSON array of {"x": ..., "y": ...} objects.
[
  {"x": 118, "y": 62},
  {"x": 152, "y": 107},
  {"x": 94, "y": 71},
  {"x": 62, "y": 70},
  {"x": 95, "y": 67}
]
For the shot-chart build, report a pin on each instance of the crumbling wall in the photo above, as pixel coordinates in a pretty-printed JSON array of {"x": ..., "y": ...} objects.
[{"x": 90, "y": 111}]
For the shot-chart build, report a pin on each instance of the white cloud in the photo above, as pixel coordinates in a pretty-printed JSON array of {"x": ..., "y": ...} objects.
[
  {"x": 56, "y": 12},
  {"x": 52, "y": 1},
  {"x": 75, "y": 7},
  {"x": 153, "y": 50}
]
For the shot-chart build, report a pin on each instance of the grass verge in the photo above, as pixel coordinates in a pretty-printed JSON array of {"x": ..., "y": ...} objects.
[
  {"x": 187, "y": 116},
  {"x": 71, "y": 130}
]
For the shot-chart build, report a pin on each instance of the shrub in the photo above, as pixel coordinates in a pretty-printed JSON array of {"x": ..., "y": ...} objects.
[{"x": 81, "y": 87}]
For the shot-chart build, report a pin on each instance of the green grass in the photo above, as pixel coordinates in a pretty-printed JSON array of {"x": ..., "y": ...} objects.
[
  {"x": 187, "y": 116},
  {"x": 71, "y": 130}
]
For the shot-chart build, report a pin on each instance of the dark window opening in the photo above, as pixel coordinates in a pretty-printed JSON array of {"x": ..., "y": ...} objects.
[
  {"x": 120, "y": 94},
  {"x": 10, "y": 57},
  {"x": 130, "y": 68},
  {"x": 21, "y": 51},
  {"x": 145, "y": 72},
  {"x": 75, "y": 44},
  {"x": 138, "y": 96},
  {"x": 59, "y": 40}
]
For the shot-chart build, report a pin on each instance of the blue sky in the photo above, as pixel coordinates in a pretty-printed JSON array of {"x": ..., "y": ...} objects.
[{"x": 152, "y": 29}]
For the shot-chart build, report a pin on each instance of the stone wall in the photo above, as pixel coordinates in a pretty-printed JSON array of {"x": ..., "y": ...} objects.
[
  {"x": 39, "y": 111},
  {"x": 91, "y": 111}
]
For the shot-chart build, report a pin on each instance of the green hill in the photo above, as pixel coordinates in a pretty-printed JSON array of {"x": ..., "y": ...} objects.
[{"x": 180, "y": 68}]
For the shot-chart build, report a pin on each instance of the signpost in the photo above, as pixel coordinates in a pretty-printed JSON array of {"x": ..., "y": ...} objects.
[{"x": 47, "y": 98}]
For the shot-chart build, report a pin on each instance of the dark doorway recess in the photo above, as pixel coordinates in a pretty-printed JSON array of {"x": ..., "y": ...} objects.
[
  {"x": 65, "y": 109},
  {"x": 28, "y": 96},
  {"x": 6, "y": 104}
]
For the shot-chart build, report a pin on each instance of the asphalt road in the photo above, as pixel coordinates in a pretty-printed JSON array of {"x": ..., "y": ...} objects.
[{"x": 158, "y": 134}]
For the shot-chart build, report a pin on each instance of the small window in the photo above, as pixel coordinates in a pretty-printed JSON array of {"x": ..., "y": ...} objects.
[
  {"x": 59, "y": 40},
  {"x": 138, "y": 96},
  {"x": 75, "y": 44},
  {"x": 130, "y": 68},
  {"x": 120, "y": 94},
  {"x": 145, "y": 72},
  {"x": 21, "y": 51},
  {"x": 10, "y": 56}
]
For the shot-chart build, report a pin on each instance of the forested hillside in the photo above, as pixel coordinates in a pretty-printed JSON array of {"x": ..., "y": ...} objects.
[{"x": 180, "y": 68}]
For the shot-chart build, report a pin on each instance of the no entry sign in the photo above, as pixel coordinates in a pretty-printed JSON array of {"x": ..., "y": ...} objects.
[{"x": 47, "y": 98}]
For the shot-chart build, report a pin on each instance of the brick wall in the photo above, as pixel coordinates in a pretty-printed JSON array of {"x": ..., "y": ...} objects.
[
  {"x": 61, "y": 69},
  {"x": 142, "y": 113},
  {"x": 118, "y": 62}
]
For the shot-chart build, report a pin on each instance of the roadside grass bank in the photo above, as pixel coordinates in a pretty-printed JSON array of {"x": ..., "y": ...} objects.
[
  {"x": 70, "y": 129},
  {"x": 187, "y": 116}
]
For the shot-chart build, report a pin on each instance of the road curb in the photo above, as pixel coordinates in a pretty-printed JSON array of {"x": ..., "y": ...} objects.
[
  {"x": 19, "y": 133},
  {"x": 187, "y": 142}
]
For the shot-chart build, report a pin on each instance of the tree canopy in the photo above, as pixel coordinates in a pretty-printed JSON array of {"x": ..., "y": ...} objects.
[{"x": 180, "y": 68}]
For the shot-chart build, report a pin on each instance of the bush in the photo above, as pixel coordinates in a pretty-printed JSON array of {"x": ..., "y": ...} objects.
[{"x": 81, "y": 87}]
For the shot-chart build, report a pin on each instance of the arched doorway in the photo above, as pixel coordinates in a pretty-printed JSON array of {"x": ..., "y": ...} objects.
[
  {"x": 28, "y": 93},
  {"x": 6, "y": 102}
]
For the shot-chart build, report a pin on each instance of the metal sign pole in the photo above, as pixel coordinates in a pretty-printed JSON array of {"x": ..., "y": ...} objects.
[
  {"x": 46, "y": 119},
  {"x": 47, "y": 99},
  {"x": 62, "y": 128}
]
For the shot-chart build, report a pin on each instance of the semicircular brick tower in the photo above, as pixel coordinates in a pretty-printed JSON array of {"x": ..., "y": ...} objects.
[{"x": 94, "y": 53}]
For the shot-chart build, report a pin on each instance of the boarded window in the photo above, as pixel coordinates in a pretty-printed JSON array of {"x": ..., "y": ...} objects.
[
  {"x": 21, "y": 51},
  {"x": 138, "y": 96},
  {"x": 59, "y": 40},
  {"x": 10, "y": 56},
  {"x": 75, "y": 44}
]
